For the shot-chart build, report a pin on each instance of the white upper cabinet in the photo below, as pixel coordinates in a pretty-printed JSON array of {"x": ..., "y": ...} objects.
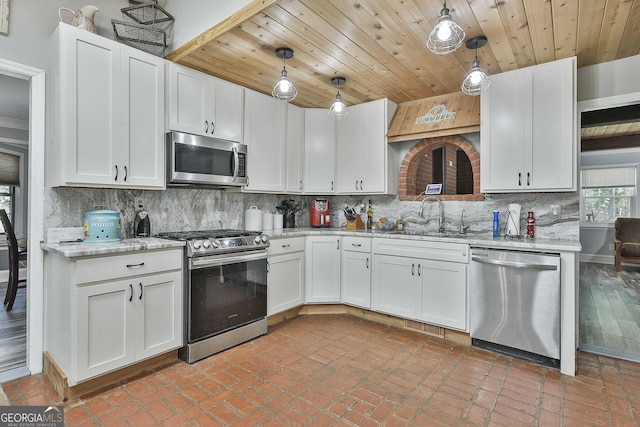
[
  {"x": 264, "y": 135},
  {"x": 106, "y": 113},
  {"x": 295, "y": 149},
  {"x": 319, "y": 151},
  {"x": 365, "y": 162},
  {"x": 204, "y": 105},
  {"x": 528, "y": 130}
]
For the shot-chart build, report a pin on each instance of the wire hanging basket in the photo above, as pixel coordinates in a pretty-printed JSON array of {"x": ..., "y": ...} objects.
[
  {"x": 151, "y": 15},
  {"x": 148, "y": 39}
]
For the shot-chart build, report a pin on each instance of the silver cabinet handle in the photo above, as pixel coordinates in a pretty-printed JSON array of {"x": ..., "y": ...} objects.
[
  {"x": 514, "y": 264},
  {"x": 300, "y": 185},
  {"x": 131, "y": 296},
  {"x": 140, "y": 291}
]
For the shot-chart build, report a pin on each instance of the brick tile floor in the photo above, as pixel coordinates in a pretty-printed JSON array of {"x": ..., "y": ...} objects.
[{"x": 338, "y": 370}]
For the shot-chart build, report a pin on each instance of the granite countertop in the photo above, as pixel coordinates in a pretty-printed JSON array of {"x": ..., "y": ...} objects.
[
  {"x": 479, "y": 240},
  {"x": 80, "y": 249}
]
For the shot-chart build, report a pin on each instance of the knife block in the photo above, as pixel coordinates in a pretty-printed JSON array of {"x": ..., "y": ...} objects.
[{"x": 356, "y": 224}]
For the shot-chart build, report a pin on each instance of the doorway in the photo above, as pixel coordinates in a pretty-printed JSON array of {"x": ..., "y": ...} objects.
[
  {"x": 35, "y": 215},
  {"x": 609, "y": 300}
]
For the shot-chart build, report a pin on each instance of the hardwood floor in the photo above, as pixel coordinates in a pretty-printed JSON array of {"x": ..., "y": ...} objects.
[
  {"x": 13, "y": 332},
  {"x": 610, "y": 310}
]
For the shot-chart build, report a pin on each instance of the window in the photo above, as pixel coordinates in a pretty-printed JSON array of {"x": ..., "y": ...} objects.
[
  {"x": 608, "y": 193},
  {"x": 7, "y": 194}
]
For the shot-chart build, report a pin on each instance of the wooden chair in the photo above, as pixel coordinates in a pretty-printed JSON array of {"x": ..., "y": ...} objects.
[
  {"x": 627, "y": 241},
  {"x": 16, "y": 255}
]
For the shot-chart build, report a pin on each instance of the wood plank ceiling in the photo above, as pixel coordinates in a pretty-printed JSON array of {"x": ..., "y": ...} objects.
[{"x": 379, "y": 45}]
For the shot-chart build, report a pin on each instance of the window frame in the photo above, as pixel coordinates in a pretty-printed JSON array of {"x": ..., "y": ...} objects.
[{"x": 633, "y": 199}]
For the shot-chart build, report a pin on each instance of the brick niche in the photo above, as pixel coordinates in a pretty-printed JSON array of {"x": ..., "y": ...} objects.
[{"x": 411, "y": 167}]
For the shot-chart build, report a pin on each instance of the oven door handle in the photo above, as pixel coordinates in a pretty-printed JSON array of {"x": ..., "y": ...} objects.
[{"x": 216, "y": 260}]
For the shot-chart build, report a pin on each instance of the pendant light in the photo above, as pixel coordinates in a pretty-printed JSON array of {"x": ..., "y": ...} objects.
[
  {"x": 284, "y": 90},
  {"x": 446, "y": 36},
  {"x": 338, "y": 108},
  {"x": 477, "y": 80}
]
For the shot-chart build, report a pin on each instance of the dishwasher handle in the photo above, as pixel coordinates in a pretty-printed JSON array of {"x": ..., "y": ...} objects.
[{"x": 514, "y": 264}]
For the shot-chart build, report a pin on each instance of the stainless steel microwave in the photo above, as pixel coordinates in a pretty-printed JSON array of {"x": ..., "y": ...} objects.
[{"x": 194, "y": 160}]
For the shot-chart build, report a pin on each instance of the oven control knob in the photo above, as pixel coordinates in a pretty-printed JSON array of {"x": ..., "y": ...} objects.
[
  {"x": 206, "y": 244},
  {"x": 264, "y": 238},
  {"x": 257, "y": 240},
  {"x": 197, "y": 244},
  {"x": 215, "y": 244}
]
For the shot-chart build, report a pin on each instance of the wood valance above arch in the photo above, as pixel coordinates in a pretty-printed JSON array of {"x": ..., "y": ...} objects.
[{"x": 451, "y": 114}]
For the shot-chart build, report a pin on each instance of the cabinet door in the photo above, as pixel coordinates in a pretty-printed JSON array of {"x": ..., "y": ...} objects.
[
  {"x": 444, "y": 293},
  {"x": 355, "y": 284},
  {"x": 143, "y": 152},
  {"x": 551, "y": 150},
  {"x": 319, "y": 151},
  {"x": 285, "y": 280},
  {"x": 373, "y": 147},
  {"x": 188, "y": 100},
  {"x": 322, "y": 269},
  {"x": 90, "y": 90},
  {"x": 158, "y": 324},
  {"x": 264, "y": 134},
  {"x": 349, "y": 154},
  {"x": 228, "y": 100},
  {"x": 502, "y": 133},
  {"x": 104, "y": 332},
  {"x": 295, "y": 149},
  {"x": 394, "y": 287}
]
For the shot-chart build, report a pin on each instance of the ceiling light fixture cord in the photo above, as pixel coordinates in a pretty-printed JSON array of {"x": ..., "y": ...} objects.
[
  {"x": 284, "y": 89},
  {"x": 477, "y": 80},
  {"x": 338, "y": 108},
  {"x": 446, "y": 36}
]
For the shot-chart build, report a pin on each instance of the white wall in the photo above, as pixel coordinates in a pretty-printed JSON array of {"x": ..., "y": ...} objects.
[{"x": 612, "y": 78}]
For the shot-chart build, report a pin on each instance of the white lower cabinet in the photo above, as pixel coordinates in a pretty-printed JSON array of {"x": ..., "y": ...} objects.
[
  {"x": 285, "y": 277},
  {"x": 355, "y": 266},
  {"x": 420, "y": 280},
  {"x": 322, "y": 269},
  {"x": 107, "y": 312}
]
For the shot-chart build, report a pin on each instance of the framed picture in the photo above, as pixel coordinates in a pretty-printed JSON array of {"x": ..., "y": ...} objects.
[{"x": 4, "y": 17}]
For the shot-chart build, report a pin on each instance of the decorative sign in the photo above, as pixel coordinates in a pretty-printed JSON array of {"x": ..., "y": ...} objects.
[{"x": 437, "y": 114}]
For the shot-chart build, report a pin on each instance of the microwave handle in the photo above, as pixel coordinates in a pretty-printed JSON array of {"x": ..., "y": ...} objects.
[{"x": 236, "y": 163}]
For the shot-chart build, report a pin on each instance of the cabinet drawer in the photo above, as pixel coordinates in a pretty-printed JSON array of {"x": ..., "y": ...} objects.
[
  {"x": 286, "y": 245},
  {"x": 133, "y": 264},
  {"x": 356, "y": 244},
  {"x": 442, "y": 251}
]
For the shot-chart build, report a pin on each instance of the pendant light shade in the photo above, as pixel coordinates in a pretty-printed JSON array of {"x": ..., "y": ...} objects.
[
  {"x": 338, "y": 108},
  {"x": 477, "y": 80},
  {"x": 446, "y": 36},
  {"x": 284, "y": 90}
]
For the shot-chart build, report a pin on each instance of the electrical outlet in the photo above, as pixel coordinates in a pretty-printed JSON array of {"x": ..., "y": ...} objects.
[
  {"x": 611, "y": 247},
  {"x": 555, "y": 211},
  {"x": 139, "y": 202}
]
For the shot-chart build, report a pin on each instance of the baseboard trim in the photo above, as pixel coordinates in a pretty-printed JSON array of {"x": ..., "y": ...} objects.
[
  {"x": 385, "y": 319},
  {"x": 598, "y": 259},
  {"x": 59, "y": 379}
]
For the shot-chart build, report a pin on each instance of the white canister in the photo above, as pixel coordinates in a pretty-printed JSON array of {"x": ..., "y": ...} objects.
[
  {"x": 267, "y": 221},
  {"x": 253, "y": 219},
  {"x": 278, "y": 221}
]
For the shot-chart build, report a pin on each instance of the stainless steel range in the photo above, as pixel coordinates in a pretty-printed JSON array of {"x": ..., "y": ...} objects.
[{"x": 225, "y": 289}]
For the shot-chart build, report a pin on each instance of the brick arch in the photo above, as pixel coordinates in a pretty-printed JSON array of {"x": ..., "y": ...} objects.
[{"x": 411, "y": 162}]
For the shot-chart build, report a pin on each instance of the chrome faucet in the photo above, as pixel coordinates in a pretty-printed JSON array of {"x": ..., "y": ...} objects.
[
  {"x": 463, "y": 228},
  {"x": 440, "y": 211}
]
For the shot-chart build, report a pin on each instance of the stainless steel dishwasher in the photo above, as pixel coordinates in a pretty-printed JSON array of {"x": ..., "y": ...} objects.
[{"x": 514, "y": 303}]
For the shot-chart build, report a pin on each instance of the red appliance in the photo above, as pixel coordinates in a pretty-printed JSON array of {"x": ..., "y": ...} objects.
[{"x": 320, "y": 213}]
